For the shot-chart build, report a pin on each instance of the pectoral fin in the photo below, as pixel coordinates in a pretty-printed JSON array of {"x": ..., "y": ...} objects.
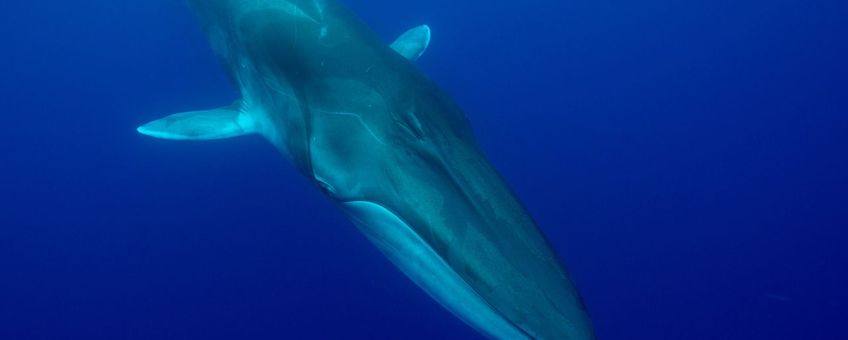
[
  {"x": 218, "y": 123},
  {"x": 413, "y": 43}
]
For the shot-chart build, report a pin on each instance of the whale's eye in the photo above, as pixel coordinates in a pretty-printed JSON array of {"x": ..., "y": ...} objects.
[
  {"x": 411, "y": 125},
  {"x": 326, "y": 188}
]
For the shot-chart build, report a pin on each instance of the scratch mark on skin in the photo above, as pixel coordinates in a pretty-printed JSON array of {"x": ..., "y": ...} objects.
[{"x": 358, "y": 118}]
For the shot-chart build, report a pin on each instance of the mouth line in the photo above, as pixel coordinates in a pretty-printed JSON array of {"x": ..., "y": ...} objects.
[{"x": 286, "y": 7}]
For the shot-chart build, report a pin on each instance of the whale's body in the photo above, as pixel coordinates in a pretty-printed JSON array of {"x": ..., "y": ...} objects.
[{"x": 393, "y": 151}]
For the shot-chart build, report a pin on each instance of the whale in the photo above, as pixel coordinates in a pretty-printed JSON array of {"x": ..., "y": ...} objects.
[{"x": 360, "y": 121}]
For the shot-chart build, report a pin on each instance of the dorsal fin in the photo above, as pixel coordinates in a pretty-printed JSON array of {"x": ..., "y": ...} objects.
[
  {"x": 413, "y": 43},
  {"x": 225, "y": 122}
]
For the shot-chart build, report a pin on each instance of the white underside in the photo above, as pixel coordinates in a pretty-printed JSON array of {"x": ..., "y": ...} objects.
[{"x": 428, "y": 270}]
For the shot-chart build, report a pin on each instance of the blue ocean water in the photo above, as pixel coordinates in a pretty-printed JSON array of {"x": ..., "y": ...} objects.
[{"x": 686, "y": 158}]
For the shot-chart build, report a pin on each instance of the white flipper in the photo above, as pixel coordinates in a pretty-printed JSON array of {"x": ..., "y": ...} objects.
[
  {"x": 219, "y": 123},
  {"x": 413, "y": 43},
  {"x": 428, "y": 270}
]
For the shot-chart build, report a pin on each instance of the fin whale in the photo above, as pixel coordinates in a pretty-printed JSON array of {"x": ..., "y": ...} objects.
[{"x": 394, "y": 152}]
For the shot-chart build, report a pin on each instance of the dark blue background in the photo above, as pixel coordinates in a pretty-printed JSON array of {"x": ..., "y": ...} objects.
[{"x": 687, "y": 158}]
